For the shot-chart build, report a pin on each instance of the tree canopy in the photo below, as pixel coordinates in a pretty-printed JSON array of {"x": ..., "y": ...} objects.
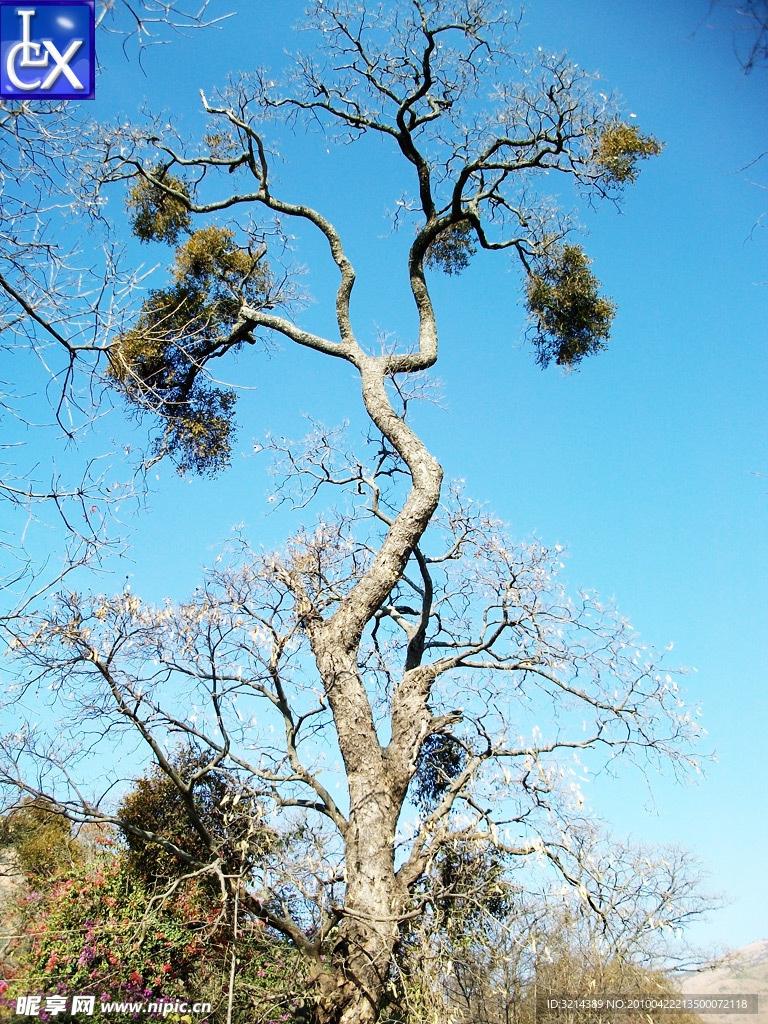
[{"x": 403, "y": 636}]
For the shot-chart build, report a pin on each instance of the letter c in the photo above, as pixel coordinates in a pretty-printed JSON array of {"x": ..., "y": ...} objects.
[{"x": 10, "y": 66}]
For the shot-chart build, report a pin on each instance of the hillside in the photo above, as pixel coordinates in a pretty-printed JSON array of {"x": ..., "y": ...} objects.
[{"x": 743, "y": 972}]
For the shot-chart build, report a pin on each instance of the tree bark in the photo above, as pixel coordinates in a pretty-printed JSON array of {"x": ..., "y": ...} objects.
[{"x": 353, "y": 991}]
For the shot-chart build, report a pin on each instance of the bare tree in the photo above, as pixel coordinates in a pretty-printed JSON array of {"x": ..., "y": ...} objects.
[
  {"x": 501, "y": 950},
  {"x": 64, "y": 293},
  {"x": 749, "y": 24},
  {"x": 402, "y": 678}
]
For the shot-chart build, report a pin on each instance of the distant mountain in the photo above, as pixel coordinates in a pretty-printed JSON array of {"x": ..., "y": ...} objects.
[{"x": 743, "y": 972}]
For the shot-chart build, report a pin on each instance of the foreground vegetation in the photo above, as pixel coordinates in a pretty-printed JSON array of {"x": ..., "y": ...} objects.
[{"x": 109, "y": 915}]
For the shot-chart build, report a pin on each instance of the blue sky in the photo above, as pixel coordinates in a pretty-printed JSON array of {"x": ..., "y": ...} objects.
[{"x": 645, "y": 465}]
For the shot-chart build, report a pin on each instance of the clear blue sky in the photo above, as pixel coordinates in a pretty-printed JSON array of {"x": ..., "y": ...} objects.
[{"x": 645, "y": 464}]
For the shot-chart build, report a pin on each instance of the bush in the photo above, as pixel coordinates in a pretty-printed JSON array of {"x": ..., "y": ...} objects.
[
  {"x": 42, "y": 840},
  {"x": 228, "y": 823},
  {"x": 101, "y": 931}
]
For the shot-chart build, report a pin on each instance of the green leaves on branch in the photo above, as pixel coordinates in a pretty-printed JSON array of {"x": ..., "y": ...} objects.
[
  {"x": 212, "y": 820},
  {"x": 570, "y": 318},
  {"x": 441, "y": 760},
  {"x": 470, "y": 877},
  {"x": 154, "y": 214},
  {"x": 452, "y": 250},
  {"x": 620, "y": 147},
  {"x": 159, "y": 364}
]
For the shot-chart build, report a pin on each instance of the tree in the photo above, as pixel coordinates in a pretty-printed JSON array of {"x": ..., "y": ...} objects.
[
  {"x": 493, "y": 953},
  {"x": 442, "y": 665},
  {"x": 60, "y": 301},
  {"x": 212, "y": 818},
  {"x": 40, "y": 838},
  {"x": 750, "y": 24}
]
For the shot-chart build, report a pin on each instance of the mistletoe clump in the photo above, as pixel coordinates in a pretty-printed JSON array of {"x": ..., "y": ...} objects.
[
  {"x": 155, "y": 213},
  {"x": 452, "y": 250},
  {"x": 159, "y": 363},
  {"x": 570, "y": 318},
  {"x": 441, "y": 760},
  {"x": 619, "y": 149}
]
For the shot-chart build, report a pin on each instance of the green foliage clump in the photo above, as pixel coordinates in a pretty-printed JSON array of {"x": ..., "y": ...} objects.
[
  {"x": 154, "y": 214},
  {"x": 159, "y": 363},
  {"x": 214, "y": 821},
  {"x": 469, "y": 903},
  {"x": 42, "y": 840},
  {"x": 452, "y": 250},
  {"x": 441, "y": 759},
  {"x": 619, "y": 149},
  {"x": 570, "y": 317},
  {"x": 471, "y": 878}
]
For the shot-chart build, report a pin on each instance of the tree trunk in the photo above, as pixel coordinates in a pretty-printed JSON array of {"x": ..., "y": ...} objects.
[
  {"x": 353, "y": 993},
  {"x": 352, "y": 990}
]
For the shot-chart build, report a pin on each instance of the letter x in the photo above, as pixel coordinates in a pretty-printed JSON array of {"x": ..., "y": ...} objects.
[{"x": 62, "y": 64}]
